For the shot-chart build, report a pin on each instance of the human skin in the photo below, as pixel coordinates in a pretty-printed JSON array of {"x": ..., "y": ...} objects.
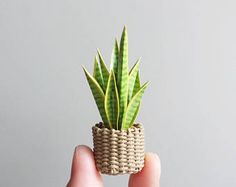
[{"x": 85, "y": 174}]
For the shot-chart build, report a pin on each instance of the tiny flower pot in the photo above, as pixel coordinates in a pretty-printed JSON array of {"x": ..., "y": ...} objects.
[
  {"x": 118, "y": 141},
  {"x": 118, "y": 151}
]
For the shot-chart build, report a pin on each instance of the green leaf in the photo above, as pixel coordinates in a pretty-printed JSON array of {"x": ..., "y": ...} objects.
[
  {"x": 115, "y": 58},
  {"x": 98, "y": 95},
  {"x": 112, "y": 102},
  {"x": 134, "y": 116},
  {"x": 132, "y": 77},
  {"x": 136, "y": 85},
  {"x": 105, "y": 72},
  {"x": 122, "y": 77},
  {"x": 131, "y": 111},
  {"x": 97, "y": 74},
  {"x": 135, "y": 90}
]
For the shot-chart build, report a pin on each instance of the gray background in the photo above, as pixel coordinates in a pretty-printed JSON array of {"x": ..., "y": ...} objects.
[{"x": 188, "y": 111}]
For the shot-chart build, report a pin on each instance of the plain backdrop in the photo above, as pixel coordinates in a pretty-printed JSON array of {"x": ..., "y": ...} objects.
[{"x": 188, "y": 51}]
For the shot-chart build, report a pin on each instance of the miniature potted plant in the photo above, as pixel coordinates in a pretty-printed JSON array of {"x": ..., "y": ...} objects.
[{"x": 118, "y": 141}]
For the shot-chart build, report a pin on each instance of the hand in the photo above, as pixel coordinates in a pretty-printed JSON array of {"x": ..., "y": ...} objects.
[{"x": 85, "y": 174}]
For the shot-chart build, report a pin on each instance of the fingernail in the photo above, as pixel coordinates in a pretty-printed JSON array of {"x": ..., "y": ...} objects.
[
  {"x": 158, "y": 161},
  {"x": 155, "y": 155},
  {"x": 79, "y": 150}
]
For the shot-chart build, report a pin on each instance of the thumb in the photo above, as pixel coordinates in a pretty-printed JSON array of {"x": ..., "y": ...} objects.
[
  {"x": 83, "y": 171},
  {"x": 149, "y": 176}
]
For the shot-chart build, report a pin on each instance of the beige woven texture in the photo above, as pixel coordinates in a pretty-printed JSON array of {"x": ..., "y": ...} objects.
[{"x": 118, "y": 151}]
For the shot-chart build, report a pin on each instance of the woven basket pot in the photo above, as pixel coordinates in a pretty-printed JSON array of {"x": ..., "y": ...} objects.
[{"x": 118, "y": 151}]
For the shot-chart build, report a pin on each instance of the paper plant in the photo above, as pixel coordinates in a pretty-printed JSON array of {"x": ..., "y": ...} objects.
[{"x": 118, "y": 141}]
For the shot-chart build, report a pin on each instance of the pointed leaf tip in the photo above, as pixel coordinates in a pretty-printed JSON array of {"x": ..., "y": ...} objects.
[
  {"x": 125, "y": 28},
  {"x": 115, "y": 59},
  {"x": 97, "y": 74},
  {"x": 104, "y": 70},
  {"x": 132, "y": 79}
]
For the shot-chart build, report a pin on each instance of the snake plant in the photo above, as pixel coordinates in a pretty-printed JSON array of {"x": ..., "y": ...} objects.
[{"x": 117, "y": 92}]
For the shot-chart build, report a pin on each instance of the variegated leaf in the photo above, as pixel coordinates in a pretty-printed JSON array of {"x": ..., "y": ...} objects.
[
  {"x": 132, "y": 77},
  {"x": 112, "y": 102},
  {"x": 136, "y": 85},
  {"x": 135, "y": 115},
  {"x": 136, "y": 88},
  {"x": 98, "y": 95},
  {"x": 114, "y": 59},
  {"x": 131, "y": 111},
  {"x": 122, "y": 76},
  {"x": 105, "y": 72},
  {"x": 97, "y": 74}
]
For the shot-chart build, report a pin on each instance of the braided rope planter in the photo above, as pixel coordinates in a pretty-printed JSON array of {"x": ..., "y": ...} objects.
[{"x": 118, "y": 151}]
